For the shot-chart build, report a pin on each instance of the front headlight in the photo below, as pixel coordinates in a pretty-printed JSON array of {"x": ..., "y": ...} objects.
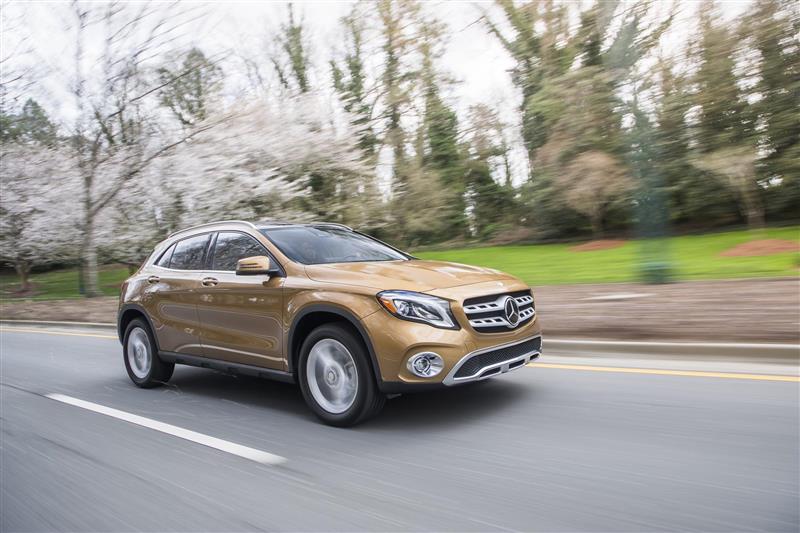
[{"x": 418, "y": 307}]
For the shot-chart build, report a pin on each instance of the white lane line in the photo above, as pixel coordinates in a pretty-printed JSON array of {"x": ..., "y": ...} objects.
[{"x": 258, "y": 456}]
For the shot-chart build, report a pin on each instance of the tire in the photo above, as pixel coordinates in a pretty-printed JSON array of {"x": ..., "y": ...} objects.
[
  {"x": 144, "y": 366},
  {"x": 336, "y": 377}
]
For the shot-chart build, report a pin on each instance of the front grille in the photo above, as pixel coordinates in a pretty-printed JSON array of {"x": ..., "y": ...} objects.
[
  {"x": 487, "y": 314},
  {"x": 477, "y": 362}
]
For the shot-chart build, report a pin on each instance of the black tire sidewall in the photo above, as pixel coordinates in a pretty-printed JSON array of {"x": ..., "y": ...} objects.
[
  {"x": 159, "y": 371},
  {"x": 366, "y": 381}
]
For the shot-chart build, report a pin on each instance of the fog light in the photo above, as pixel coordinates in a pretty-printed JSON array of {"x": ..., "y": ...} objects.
[{"x": 425, "y": 364}]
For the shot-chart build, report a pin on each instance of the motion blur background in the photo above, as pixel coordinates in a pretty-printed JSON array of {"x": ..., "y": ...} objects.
[
  {"x": 666, "y": 134},
  {"x": 637, "y": 163}
]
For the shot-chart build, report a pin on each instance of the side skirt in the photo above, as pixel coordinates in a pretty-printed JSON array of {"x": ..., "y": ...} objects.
[{"x": 226, "y": 366}]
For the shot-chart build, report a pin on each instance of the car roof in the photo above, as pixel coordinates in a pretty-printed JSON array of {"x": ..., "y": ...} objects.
[{"x": 263, "y": 224}]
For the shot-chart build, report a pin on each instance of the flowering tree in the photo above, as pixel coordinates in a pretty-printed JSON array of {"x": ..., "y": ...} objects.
[
  {"x": 117, "y": 133},
  {"x": 37, "y": 226},
  {"x": 257, "y": 161}
]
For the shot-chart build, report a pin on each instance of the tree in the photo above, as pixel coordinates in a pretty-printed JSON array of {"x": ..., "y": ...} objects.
[
  {"x": 35, "y": 228},
  {"x": 489, "y": 203},
  {"x": 570, "y": 82},
  {"x": 591, "y": 182},
  {"x": 725, "y": 125},
  {"x": 490, "y": 139},
  {"x": 737, "y": 167},
  {"x": 397, "y": 80},
  {"x": 724, "y": 117},
  {"x": 189, "y": 89},
  {"x": 771, "y": 28},
  {"x": 541, "y": 45},
  {"x": 291, "y": 61},
  {"x": 350, "y": 81},
  {"x": 31, "y": 125},
  {"x": 115, "y": 138},
  {"x": 440, "y": 156}
]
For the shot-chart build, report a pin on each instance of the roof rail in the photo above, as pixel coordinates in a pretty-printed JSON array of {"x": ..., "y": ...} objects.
[
  {"x": 335, "y": 224},
  {"x": 207, "y": 224}
]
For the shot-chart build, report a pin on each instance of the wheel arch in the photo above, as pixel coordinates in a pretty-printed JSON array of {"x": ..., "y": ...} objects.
[
  {"x": 128, "y": 313},
  {"x": 316, "y": 315}
]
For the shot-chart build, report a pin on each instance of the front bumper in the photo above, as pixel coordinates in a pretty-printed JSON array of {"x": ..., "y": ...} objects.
[
  {"x": 493, "y": 361},
  {"x": 465, "y": 371}
]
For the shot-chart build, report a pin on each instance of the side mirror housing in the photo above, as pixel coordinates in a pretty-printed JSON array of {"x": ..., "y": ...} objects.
[{"x": 258, "y": 265}]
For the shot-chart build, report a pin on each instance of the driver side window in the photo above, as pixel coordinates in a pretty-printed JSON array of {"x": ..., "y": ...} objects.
[{"x": 232, "y": 246}]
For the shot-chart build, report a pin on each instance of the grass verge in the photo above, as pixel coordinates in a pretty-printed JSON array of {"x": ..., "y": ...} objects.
[{"x": 692, "y": 257}]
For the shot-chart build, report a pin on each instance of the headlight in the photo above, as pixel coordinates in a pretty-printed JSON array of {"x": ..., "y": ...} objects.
[{"x": 418, "y": 307}]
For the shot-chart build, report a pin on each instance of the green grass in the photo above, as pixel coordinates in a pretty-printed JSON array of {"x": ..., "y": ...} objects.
[
  {"x": 692, "y": 257},
  {"x": 63, "y": 284}
]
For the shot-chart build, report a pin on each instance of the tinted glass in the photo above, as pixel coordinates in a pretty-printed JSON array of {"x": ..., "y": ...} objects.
[
  {"x": 163, "y": 261},
  {"x": 190, "y": 253},
  {"x": 231, "y": 247},
  {"x": 316, "y": 245}
]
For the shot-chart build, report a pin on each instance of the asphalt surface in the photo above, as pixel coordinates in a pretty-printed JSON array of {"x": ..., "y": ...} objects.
[{"x": 550, "y": 448}]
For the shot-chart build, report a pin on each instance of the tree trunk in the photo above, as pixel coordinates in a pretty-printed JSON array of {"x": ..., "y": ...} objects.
[
  {"x": 23, "y": 269},
  {"x": 753, "y": 209},
  {"x": 596, "y": 219},
  {"x": 89, "y": 259}
]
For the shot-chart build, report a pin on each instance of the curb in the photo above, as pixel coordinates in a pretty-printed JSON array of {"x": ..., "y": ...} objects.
[
  {"x": 760, "y": 352},
  {"x": 102, "y": 326}
]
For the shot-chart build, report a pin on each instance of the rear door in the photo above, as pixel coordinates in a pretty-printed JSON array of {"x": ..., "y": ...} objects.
[
  {"x": 172, "y": 295},
  {"x": 241, "y": 316}
]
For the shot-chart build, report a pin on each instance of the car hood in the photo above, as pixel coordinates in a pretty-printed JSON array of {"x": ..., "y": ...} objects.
[{"x": 413, "y": 275}]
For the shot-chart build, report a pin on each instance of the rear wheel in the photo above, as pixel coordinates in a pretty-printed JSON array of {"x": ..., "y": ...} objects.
[
  {"x": 144, "y": 366},
  {"x": 336, "y": 378}
]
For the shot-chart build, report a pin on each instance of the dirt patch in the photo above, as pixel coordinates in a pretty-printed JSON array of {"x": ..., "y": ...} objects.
[
  {"x": 79, "y": 310},
  {"x": 602, "y": 244},
  {"x": 513, "y": 236},
  {"x": 762, "y": 247}
]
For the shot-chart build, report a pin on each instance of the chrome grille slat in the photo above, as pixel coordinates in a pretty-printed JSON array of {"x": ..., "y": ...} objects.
[{"x": 487, "y": 314}]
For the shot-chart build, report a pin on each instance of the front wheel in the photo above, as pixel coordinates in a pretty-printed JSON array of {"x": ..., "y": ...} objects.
[
  {"x": 144, "y": 367},
  {"x": 336, "y": 378}
]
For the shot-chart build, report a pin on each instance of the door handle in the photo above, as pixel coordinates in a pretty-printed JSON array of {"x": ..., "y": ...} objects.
[
  {"x": 209, "y": 282},
  {"x": 153, "y": 279}
]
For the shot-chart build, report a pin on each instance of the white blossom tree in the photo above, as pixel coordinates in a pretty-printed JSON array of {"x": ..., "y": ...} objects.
[
  {"x": 37, "y": 225},
  {"x": 254, "y": 161},
  {"x": 118, "y": 132}
]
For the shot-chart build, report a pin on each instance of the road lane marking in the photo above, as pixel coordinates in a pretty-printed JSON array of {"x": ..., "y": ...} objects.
[
  {"x": 660, "y": 372},
  {"x": 53, "y": 332},
  {"x": 258, "y": 456}
]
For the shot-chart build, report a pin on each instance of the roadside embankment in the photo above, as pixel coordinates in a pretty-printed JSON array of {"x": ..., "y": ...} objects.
[{"x": 753, "y": 311}]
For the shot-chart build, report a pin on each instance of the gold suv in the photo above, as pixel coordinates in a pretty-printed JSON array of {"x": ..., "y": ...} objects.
[{"x": 349, "y": 318}]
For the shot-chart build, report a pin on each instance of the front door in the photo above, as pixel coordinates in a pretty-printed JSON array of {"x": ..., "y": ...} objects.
[{"x": 240, "y": 316}]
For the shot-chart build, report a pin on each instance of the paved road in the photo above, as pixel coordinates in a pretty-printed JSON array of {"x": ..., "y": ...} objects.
[{"x": 541, "y": 448}]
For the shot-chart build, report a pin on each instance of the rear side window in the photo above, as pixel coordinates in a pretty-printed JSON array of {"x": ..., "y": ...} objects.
[
  {"x": 230, "y": 247},
  {"x": 163, "y": 261},
  {"x": 189, "y": 254}
]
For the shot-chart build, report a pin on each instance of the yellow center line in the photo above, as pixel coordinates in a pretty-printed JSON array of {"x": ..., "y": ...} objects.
[
  {"x": 57, "y": 332},
  {"x": 660, "y": 372},
  {"x": 618, "y": 369}
]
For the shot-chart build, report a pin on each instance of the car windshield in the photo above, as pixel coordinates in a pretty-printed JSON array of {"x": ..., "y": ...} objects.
[{"x": 314, "y": 245}]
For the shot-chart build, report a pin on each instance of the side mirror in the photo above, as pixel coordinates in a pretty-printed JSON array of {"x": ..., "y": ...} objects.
[{"x": 254, "y": 266}]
